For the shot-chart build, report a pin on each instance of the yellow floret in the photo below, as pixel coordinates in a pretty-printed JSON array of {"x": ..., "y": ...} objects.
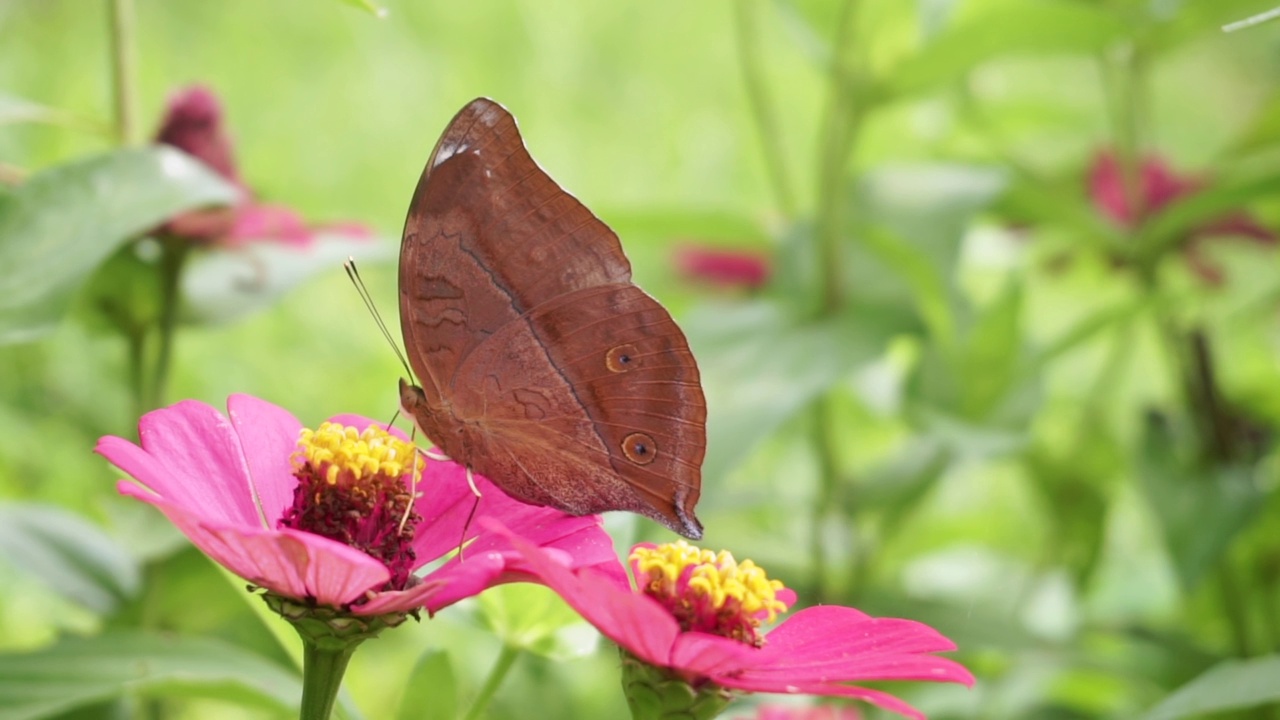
[
  {"x": 337, "y": 448},
  {"x": 717, "y": 577}
]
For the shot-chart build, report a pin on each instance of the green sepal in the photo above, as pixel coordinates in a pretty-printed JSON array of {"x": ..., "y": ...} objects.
[
  {"x": 330, "y": 628},
  {"x": 655, "y": 693}
]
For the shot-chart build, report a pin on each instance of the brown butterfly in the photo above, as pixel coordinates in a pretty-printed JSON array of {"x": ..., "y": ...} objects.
[{"x": 543, "y": 367}]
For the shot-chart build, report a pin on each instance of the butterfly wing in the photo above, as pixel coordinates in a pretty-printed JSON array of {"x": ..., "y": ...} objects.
[{"x": 514, "y": 301}]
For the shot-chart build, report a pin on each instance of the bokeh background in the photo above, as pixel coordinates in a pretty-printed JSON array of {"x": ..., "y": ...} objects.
[{"x": 984, "y": 294}]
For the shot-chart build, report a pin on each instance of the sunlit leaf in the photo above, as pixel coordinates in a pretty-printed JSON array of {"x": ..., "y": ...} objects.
[
  {"x": 1231, "y": 685},
  {"x": 78, "y": 672},
  {"x": 69, "y": 554},
  {"x": 1005, "y": 30},
  {"x": 63, "y": 222},
  {"x": 368, "y": 6}
]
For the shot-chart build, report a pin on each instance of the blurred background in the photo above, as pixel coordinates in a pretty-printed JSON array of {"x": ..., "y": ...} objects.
[{"x": 983, "y": 292}]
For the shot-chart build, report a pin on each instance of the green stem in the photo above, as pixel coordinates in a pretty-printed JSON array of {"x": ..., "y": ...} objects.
[
  {"x": 323, "y": 665},
  {"x": 124, "y": 66},
  {"x": 825, "y": 498},
  {"x": 839, "y": 131},
  {"x": 137, "y": 342},
  {"x": 172, "y": 259},
  {"x": 762, "y": 110},
  {"x": 498, "y": 673}
]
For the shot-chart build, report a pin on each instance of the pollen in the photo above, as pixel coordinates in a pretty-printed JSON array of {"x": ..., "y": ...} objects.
[
  {"x": 709, "y": 591},
  {"x": 358, "y": 487}
]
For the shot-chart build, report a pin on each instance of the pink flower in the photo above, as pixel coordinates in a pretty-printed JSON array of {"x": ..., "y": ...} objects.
[
  {"x": 272, "y": 509},
  {"x": 696, "y": 616},
  {"x": 194, "y": 124},
  {"x": 723, "y": 267},
  {"x": 1158, "y": 186}
]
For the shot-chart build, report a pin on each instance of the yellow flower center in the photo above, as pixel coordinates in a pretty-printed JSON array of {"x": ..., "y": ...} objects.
[
  {"x": 364, "y": 455},
  {"x": 708, "y": 591},
  {"x": 357, "y": 487}
]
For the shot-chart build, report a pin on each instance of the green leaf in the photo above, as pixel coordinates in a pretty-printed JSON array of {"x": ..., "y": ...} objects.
[
  {"x": 78, "y": 672},
  {"x": 1201, "y": 508},
  {"x": 1047, "y": 27},
  {"x": 224, "y": 286},
  {"x": 1230, "y": 685},
  {"x": 533, "y": 618},
  {"x": 1175, "y": 221},
  {"x": 432, "y": 690},
  {"x": 761, "y": 366},
  {"x": 63, "y": 222},
  {"x": 368, "y": 6},
  {"x": 69, "y": 554},
  {"x": 910, "y": 222}
]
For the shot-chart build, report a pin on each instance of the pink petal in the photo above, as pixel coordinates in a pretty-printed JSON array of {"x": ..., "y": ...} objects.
[
  {"x": 838, "y": 644},
  {"x": 875, "y": 697},
  {"x": 191, "y": 456},
  {"x": 633, "y": 621},
  {"x": 289, "y": 562},
  {"x": 721, "y": 266},
  {"x": 268, "y": 435},
  {"x": 269, "y": 222},
  {"x": 442, "y": 588},
  {"x": 703, "y": 655},
  {"x": 193, "y": 124}
]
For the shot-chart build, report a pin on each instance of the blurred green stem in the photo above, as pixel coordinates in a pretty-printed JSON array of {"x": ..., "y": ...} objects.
[
  {"x": 498, "y": 673},
  {"x": 124, "y": 65},
  {"x": 840, "y": 126},
  {"x": 173, "y": 257},
  {"x": 137, "y": 342},
  {"x": 762, "y": 107},
  {"x": 840, "y": 130}
]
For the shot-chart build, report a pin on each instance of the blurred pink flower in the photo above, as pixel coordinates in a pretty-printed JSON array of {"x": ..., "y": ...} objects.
[
  {"x": 723, "y": 267},
  {"x": 1158, "y": 186},
  {"x": 693, "y": 619},
  {"x": 272, "y": 503},
  {"x": 193, "y": 123}
]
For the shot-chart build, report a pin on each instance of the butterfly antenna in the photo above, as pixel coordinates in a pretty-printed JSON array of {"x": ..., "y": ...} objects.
[{"x": 354, "y": 275}]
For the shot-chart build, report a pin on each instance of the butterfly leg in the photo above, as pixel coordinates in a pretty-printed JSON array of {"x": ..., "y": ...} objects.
[{"x": 413, "y": 490}]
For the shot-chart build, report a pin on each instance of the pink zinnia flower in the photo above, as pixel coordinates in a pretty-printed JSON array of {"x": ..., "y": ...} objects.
[
  {"x": 193, "y": 123},
  {"x": 330, "y": 517},
  {"x": 1158, "y": 186},
  {"x": 723, "y": 267},
  {"x": 697, "y": 617}
]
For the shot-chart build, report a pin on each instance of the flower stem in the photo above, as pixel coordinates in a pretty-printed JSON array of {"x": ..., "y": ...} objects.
[
  {"x": 839, "y": 133},
  {"x": 497, "y": 674},
  {"x": 172, "y": 259},
  {"x": 124, "y": 65},
  {"x": 323, "y": 665},
  {"x": 762, "y": 110}
]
